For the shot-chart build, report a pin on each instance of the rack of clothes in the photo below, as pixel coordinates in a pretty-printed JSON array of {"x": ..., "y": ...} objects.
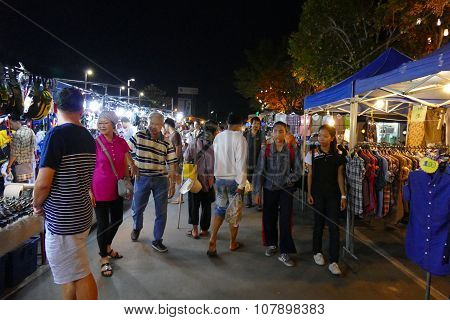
[{"x": 375, "y": 176}]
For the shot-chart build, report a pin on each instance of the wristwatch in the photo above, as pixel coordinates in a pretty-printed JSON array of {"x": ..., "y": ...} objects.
[{"x": 344, "y": 197}]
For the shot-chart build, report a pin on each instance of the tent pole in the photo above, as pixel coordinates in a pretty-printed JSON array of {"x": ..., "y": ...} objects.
[{"x": 350, "y": 218}]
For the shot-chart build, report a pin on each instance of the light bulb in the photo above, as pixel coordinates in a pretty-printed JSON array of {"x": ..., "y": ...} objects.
[
  {"x": 419, "y": 21},
  {"x": 363, "y": 131},
  {"x": 447, "y": 88},
  {"x": 438, "y": 23},
  {"x": 445, "y": 32}
]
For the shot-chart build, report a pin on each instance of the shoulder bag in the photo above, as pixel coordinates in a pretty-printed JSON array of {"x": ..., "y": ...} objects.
[{"x": 124, "y": 186}]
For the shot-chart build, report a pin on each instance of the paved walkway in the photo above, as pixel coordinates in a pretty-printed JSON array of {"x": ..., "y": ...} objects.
[{"x": 185, "y": 272}]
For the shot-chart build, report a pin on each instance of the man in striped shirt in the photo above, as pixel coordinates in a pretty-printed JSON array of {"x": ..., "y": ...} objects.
[
  {"x": 153, "y": 154},
  {"x": 62, "y": 194}
]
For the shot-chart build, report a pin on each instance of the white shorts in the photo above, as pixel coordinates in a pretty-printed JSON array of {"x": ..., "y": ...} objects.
[{"x": 67, "y": 256}]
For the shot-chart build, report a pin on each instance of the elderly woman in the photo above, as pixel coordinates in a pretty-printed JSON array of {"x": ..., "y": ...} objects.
[{"x": 108, "y": 205}]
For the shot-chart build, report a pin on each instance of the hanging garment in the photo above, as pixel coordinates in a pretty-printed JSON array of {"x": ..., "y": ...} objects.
[
  {"x": 347, "y": 121},
  {"x": 306, "y": 127},
  {"x": 339, "y": 124},
  {"x": 293, "y": 121},
  {"x": 316, "y": 123},
  {"x": 428, "y": 229},
  {"x": 281, "y": 117},
  {"x": 432, "y": 133},
  {"x": 355, "y": 171}
]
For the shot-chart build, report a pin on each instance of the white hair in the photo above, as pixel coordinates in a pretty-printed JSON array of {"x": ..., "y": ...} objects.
[{"x": 156, "y": 114}]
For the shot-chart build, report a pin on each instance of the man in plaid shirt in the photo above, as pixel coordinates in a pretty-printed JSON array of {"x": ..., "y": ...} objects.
[{"x": 23, "y": 146}]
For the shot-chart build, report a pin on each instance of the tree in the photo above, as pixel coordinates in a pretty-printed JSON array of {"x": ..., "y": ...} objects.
[
  {"x": 267, "y": 80},
  {"x": 154, "y": 97},
  {"x": 335, "y": 38},
  {"x": 416, "y": 27}
]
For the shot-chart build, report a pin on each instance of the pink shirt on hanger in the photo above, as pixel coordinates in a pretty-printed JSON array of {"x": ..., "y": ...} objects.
[{"x": 104, "y": 182}]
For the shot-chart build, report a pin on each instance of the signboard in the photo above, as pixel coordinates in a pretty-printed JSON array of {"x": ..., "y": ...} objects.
[
  {"x": 187, "y": 90},
  {"x": 418, "y": 114},
  {"x": 185, "y": 105}
]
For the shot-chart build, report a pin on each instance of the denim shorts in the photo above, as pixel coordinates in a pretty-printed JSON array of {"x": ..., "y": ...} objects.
[{"x": 225, "y": 190}]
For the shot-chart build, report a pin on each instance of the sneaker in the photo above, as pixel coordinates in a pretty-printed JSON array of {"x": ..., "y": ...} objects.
[
  {"x": 135, "y": 234},
  {"x": 334, "y": 269},
  {"x": 271, "y": 250},
  {"x": 287, "y": 261},
  {"x": 158, "y": 246},
  {"x": 318, "y": 259}
]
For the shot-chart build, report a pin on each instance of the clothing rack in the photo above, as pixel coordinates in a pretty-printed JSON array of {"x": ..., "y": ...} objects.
[{"x": 350, "y": 218}]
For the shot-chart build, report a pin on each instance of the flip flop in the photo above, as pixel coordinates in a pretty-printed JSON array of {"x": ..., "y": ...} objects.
[
  {"x": 211, "y": 254},
  {"x": 238, "y": 245},
  {"x": 116, "y": 256},
  {"x": 189, "y": 234},
  {"x": 104, "y": 268}
]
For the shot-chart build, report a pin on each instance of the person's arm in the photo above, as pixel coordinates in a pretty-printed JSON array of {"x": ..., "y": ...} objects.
[
  {"x": 42, "y": 188},
  {"x": 12, "y": 155},
  {"x": 341, "y": 182},
  {"x": 308, "y": 162},
  {"x": 172, "y": 161},
  {"x": 11, "y": 161},
  {"x": 130, "y": 162},
  {"x": 258, "y": 177},
  {"x": 241, "y": 165}
]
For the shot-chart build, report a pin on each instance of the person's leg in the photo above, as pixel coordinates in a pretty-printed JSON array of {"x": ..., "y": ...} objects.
[
  {"x": 116, "y": 211},
  {"x": 160, "y": 186},
  {"x": 286, "y": 209},
  {"x": 248, "y": 196},
  {"x": 205, "y": 220},
  {"x": 68, "y": 291},
  {"x": 221, "y": 208},
  {"x": 319, "y": 221},
  {"x": 102, "y": 214},
  {"x": 333, "y": 204},
  {"x": 194, "y": 212},
  {"x": 141, "y": 195},
  {"x": 270, "y": 217},
  {"x": 231, "y": 191},
  {"x": 86, "y": 288}
]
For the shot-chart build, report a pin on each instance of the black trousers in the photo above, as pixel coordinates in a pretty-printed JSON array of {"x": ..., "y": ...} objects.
[
  {"x": 277, "y": 209},
  {"x": 109, "y": 218},
  {"x": 248, "y": 196},
  {"x": 196, "y": 200},
  {"x": 329, "y": 208}
]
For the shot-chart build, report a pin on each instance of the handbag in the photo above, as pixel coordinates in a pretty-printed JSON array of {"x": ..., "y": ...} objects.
[{"x": 124, "y": 186}]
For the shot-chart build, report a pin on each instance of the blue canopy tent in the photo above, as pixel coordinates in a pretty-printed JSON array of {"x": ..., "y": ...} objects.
[
  {"x": 341, "y": 94},
  {"x": 421, "y": 82}
]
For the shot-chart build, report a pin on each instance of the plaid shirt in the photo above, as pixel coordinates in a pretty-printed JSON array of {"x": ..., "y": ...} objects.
[
  {"x": 355, "y": 171},
  {"x": 23, "y": 145}
]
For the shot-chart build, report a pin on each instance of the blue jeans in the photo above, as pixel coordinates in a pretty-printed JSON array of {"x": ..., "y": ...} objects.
[
  {"x": 225, "y": 190},
  {"x": 143, "y": 187}
]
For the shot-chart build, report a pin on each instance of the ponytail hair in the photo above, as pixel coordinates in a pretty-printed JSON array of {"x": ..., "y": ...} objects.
[{"x": 332, "y": 131}]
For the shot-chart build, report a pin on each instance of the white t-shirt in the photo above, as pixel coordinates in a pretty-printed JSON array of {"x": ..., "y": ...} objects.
[{"x": 230, "y": 157}]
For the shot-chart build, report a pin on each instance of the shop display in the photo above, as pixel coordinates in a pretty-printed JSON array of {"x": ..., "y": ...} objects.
[{"x": 12, "y": 209}]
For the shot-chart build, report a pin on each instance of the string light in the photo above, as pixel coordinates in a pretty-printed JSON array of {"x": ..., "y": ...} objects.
[
  {"x": 447, "y": 88},
  {"x": 445, "y": 32},
  {"x": 438, "y": 23},
  {"x": 429, "y": 40},
  {"x": 419, "y": 21}
]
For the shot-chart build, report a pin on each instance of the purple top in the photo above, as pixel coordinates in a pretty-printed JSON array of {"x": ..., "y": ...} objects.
[
  {"x": 104, "y": 184},
  {"x": 205, "y": 164}
]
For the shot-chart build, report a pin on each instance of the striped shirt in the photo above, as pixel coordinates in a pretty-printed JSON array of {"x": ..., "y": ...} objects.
[
  {"x": 152, "y": 156},
  {"x": 69, "y": 150}
]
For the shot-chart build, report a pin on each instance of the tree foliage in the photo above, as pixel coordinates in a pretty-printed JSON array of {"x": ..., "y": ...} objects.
[
  {"x": 154, "y": 97},
  {"x": 267, "y": 80}
]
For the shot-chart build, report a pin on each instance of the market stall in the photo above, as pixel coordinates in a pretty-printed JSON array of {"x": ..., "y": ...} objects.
[{"x": 393, "y": 89}]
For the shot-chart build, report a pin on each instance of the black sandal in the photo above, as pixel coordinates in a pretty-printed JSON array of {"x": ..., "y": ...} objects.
[
  {"x": 116, "y": 256},
  {"x": 106, "y": 268}
]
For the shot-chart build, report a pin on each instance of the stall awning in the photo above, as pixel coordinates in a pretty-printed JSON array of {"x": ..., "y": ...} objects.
[
  {"x": 420, "y": 81},
  {"x": 339, "y": 93}
]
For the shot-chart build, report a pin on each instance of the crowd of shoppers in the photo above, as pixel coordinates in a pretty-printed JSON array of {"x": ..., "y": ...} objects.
[{"x": 78, "y": 173}]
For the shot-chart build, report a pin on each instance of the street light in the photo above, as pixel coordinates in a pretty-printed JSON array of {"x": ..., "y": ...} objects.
[
  {"x": 87, "y": 73},
  {"x": 129, "y": 81},
  {"x": 120, "y": 90},
  {"x": 141, "y": 94}
]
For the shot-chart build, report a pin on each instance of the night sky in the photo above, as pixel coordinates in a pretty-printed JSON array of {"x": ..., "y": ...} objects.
[{"x": 168, "y": 43}]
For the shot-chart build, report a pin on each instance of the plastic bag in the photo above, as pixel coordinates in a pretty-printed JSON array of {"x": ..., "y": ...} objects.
[{"x": 234, "y": 211}]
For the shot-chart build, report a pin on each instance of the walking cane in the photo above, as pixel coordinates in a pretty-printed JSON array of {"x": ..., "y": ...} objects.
[{"x": 181, "y": 199}]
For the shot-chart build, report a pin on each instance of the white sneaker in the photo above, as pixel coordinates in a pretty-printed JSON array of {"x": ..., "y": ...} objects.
[
  {"x": 319, "y": 259},
  {"x": 286, "y": 260},
  {"x": 334, "y": 269},
  {"x": 271, "y": 250}
]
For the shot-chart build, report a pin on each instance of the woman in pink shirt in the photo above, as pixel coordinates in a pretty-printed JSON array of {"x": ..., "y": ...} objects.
[{"x": 108, "y": 204}]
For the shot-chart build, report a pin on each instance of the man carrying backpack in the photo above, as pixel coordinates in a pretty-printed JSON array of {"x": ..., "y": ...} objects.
[{"x": 278, "y": 172}]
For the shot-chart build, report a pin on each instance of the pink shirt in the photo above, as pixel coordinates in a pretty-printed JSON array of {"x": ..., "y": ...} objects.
[{"x": 104, "y": 183}]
